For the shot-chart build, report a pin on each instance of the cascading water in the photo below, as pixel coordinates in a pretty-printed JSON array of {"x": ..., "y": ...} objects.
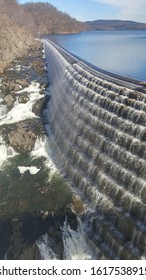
[
  {"x": 20, "y": 111},
  {"x": 98, "y": 135},
  {"x": 75, "y": 245},
  {"x": 6, "y": 151}
]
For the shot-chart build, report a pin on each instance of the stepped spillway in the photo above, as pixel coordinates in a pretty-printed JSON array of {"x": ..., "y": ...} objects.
[{"x": 98, "y": 126}]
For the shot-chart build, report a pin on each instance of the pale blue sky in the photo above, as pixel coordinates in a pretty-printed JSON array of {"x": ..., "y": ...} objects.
[{"x": 100, "y": 9}]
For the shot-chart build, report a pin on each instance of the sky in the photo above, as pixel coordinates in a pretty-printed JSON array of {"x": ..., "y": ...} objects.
[{"x": 84, "y": 10}]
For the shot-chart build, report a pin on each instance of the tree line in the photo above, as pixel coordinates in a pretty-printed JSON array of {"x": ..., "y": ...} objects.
[{"x": 19, "y": 24}]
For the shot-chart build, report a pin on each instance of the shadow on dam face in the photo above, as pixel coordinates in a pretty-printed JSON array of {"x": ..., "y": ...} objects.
[{"x": 99, "y": 141}]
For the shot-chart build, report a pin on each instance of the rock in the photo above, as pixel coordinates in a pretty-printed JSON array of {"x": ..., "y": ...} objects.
[
  {"x": 22, "y": 140},
  {"x": 9, "y": 101},
  {"x": 23, "y": 83},
  {"x": 11, "y": 85},
  {"x": 143, "y": 84},
  {"x": 23, "y": 97},
  {"x": 51, "y": 231},
  {"x": 22, "y": 204},
  {"x": 71, "y": 217},
  {"x": 38, "y": 66},
  {"x": 37, "y": 107},
  {"x": 46, "y": 214},
  {"x": 30, "y": 253},
  {"x": 24, "y": 233},
  {"x": 46, "y": 100},
  {"x": 18, "y": 67},
  {"x": 14, "y": 220},
  {"x": 77, "y": 204},
  {"x": 44, "y": 82},
  {"x": 5, "y": 235},
  {"x": 16, "y": 243}
]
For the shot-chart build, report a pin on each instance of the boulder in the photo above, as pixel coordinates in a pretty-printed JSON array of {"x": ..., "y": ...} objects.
[
  {"x": 5, "y": 235},
  {"x": 30, "y": 253},
  {"x": 38, "y": 67},
  {"x": 11, "y": 85},
  {"x": 77, "y": 204},
  {"x": 22, "y": 82},
  {"x": 37, "y": 107},
  {"x": 143, "y": 84},
  {"x": 9, "y": 101},
  {"x": 23, "y": 97},
  {"x": 22, "y": 140}
]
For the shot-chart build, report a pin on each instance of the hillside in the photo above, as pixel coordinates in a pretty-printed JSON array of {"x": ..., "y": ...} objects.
[
  {"x": 47, "y": 19},
  {"x": 19, "y": 24},
  {"x": 115, "y": 25},
  {"x": 15, "y": 39}
]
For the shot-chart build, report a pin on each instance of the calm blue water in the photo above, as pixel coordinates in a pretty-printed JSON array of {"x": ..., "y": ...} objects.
[{"x": 121, "y": 52}]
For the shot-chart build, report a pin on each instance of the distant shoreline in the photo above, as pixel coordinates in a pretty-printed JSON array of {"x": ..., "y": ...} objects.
[{"x": 112, "y": 25}]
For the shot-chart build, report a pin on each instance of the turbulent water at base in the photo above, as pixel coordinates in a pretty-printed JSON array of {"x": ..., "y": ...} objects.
[
  {"x": 98, "y": 137},
  {"x": 22, "y": 111},
  {"x": 6, "y": 152},
  {"x": 18, "y": 113},
  {"x": 74, "y": 244}
]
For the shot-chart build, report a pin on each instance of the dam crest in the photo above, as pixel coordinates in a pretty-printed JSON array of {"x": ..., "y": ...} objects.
[{"x": 98, "y": 125}]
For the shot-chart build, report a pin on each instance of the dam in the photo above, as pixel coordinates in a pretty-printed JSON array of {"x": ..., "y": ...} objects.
[{"x": 98, "y": 132}]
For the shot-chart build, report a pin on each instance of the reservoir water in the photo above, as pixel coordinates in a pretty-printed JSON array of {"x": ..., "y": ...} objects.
[{"x": 120, "y": 52}]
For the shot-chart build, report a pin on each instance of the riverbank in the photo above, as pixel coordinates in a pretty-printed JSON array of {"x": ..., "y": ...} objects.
[{"x": 34, "y": 200}]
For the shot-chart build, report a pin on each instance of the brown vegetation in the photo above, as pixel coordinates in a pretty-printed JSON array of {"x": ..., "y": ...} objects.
[
  {"x": 47, "y": 19},
  {"x": 14, "y": 38},
  {"x": 20, "y": 23}
]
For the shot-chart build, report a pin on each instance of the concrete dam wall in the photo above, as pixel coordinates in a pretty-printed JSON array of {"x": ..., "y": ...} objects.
[{"x": 99, "y": 138}]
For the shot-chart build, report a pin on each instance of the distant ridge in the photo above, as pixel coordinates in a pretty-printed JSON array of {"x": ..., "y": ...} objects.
[{"x": 115, "y": 25}]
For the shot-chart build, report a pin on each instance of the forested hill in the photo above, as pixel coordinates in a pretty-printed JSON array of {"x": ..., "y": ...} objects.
[
  {"x": 115, "y": 25},
  {"x": 15, "y": 38},
  {"x": 19, "y": 24},
  {"x": 47, "y": 19}
]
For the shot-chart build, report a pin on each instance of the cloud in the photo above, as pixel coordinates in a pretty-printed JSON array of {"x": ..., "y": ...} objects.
[{"x": 128, "y": 9}]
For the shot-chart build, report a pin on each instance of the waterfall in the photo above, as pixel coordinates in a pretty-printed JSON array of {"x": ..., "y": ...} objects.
[
  {"x": 5, "y": 151},
  {"x": 42, "y": 149},
  {"x": 75, "y": 245},
  {"x": 98, "y": 126},
  {"x": 3, "y": 111},
  {"x": 44, "y": 245}
]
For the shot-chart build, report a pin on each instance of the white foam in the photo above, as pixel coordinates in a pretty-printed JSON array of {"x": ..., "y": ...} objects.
[
  {"x": 3, "y": 110},
  {"x": 34, "y": 87},
  {"x": 74, "y": 243},
  {"x": 18, "y": 113},
  {"x": 41, "y": 148},
  {"x": 44, "y": 247},
  {"x": 6, "y": 151},
  {"x": 32, "y": 169},
  {"x": 23, "y": 111}
]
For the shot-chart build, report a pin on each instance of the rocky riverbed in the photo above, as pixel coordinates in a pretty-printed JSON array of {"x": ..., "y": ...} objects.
[{"x": 35, "y": 202}]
